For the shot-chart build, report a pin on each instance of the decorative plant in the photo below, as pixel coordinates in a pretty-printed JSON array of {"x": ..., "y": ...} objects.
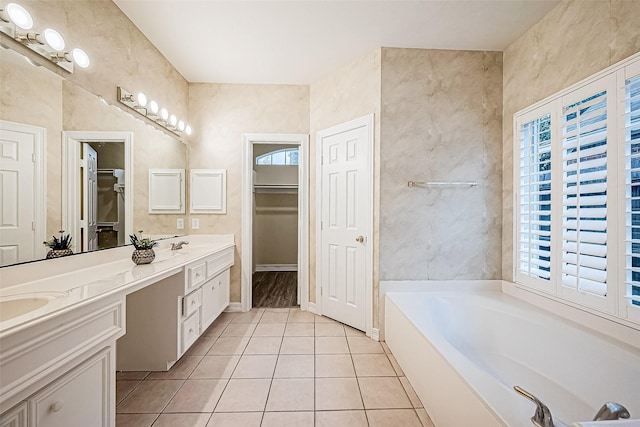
[
  {"x": 141, "y": 243},
  {"x": 59, "y": 244}
]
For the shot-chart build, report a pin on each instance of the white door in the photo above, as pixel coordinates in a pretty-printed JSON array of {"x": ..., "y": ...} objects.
[
  {"x": 20, "y": 222},
  {"x": 90, "y": 198},
  {"x": 346, "y": 221}
]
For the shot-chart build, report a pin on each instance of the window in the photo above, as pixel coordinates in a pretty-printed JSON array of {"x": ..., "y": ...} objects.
[
  {"x": 577, "y": 207},
  {"x": 284, "y": 157}
]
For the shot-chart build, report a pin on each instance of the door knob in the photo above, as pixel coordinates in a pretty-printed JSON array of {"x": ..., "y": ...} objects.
[{"x": 360, "y": 239}]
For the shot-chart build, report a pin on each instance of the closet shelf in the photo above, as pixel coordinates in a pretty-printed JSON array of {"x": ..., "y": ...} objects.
[{"x": 286, "y": 189}]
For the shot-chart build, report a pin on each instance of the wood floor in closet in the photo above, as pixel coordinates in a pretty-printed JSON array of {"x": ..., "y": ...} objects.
[{"x": 275, "y": 289}]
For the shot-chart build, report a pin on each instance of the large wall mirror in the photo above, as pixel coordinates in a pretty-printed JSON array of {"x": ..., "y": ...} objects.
[{"x": 69, "y": 161}]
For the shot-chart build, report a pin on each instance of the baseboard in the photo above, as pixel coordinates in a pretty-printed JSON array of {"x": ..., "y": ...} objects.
[
  {"x": 234, "y": 307},
  {"x": 276, "y": 267},
  {"x": 375, "y": 334},
  {"x": 311, "y": 307}
]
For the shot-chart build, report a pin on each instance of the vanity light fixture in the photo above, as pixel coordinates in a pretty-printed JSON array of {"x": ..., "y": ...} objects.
[
  {"x": 15, "y": 19},
  {"x": 152, "y": 111}
]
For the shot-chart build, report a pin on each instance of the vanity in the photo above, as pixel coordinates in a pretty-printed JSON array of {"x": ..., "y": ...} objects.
[{"x": 62, "y": 321}]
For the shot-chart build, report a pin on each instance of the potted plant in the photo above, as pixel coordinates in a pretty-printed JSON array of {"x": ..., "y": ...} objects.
[
  {"x": 143, "y": 254},
  {"x": 59, "y": 246}
]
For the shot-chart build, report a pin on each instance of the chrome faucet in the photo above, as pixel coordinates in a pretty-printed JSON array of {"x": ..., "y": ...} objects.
[
  {"x": 542, "y": 416},
  {"x": 611, "y": 411},
  {"x": 176, "y": 246}
]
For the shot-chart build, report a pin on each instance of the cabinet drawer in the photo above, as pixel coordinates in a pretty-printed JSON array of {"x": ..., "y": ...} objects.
[
  {"x": 196, "y": 275},
  {"x": 16, "y": 417},
  {"x": 191, "y": 302},
  {"x": 190, "y": 331},
  {"x": 217, "y": 262}
]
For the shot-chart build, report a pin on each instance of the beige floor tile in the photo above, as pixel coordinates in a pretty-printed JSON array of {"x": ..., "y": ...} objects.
[
  {"x": 324, "y": 329},
  {"x": 291, "y": 394},
  {"x": 131, "y": 375},
  {"x": 239, "y": 330},
  {"x": 180, "y": 370},
  {"x": 373, "y": 365},
  {"x": 297, "y": 315},
  {"x": 364, "y": 345},
  {"x": 287, "y": 419},
  {"x": 135, "y": 420},
  {"x": 269, "y": 330},
  {"x": 320, "y": 319},
  {"x": 274, "y": 317},
  {"x": 294, "y": 366},
  {"x": 124, "y": 387},
  {"x": 244, "y": 395},
  {"x": 215, "y": 330},
  {"x": 385, "y": 347},
  {"x": 413, "y": 397},
  {"x": 197, "y": 396},
  {"x": 277, "y": 310},
  {"x": 297, "y": 345},
  {"x": 256, "y": 366},
  {"x": 383, "y": 393},
  {"x": 351, "y": 332},
  {"x": 334, "y": 365},
  {"x": 201, "y": 347},
  {"x": 150, "y": 397},
  {"x": 299, "y": 330},
  {"x": 182, "y": 420},
  {"x": 264, "y": 345},
  {"x": 424, "y": 418},
  {"x": 212, "y": 367},
  {"x": 225, "y": 317},
  {"x": 341, "y": 418},
  {"x": 395, "y": 364},
  {"x": 393, "y": 417},
  {"x": 331, "y": 345},
  {"x": 252, "y": 316},
  {"x": 226, "y": 346},
  {"x": 235, "y": 419},
  {"x": 337, "y": 394}
]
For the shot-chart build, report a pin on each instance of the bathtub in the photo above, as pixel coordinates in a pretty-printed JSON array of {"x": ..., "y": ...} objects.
[{"x": 463, "y": 351}]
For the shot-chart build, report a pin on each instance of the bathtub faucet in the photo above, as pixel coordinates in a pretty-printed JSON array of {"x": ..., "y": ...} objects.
[
  {"x": 542, "y": 417},
  {"x": 611, "y": 411}
]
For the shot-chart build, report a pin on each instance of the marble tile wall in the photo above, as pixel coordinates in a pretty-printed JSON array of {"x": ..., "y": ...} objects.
[
  {"x": 221, "y": 113},
  {"x": 575, "y": 40},
  {"x": 348, "y": 93},
  {"x": 441, "y": 121}
]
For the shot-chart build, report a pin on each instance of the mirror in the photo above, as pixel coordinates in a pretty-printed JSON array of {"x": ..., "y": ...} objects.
[{"x": 112, "y": 149}]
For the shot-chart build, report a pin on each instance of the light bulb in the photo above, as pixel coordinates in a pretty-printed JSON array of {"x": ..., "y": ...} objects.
[
  {"x": 188, "y": 130},
  {"x": 20, "y": 16},
  {"x": 153, "y": 106},
  {"x": 180, "y": 125},
  {"x": 54, "y": 39},
  {"x": 164, "y": 114},
  {"x": 173, "y": 120},
  {"x": 142, "y": 100},
  {"x": 80, "y": 57}
]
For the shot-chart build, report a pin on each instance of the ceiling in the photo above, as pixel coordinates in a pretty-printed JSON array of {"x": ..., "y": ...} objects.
[{"x": 300, "y": 41}]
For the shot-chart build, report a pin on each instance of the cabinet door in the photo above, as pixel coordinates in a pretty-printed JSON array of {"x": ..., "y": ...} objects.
[
  {"x": 215, "y": 298},
  {"x": 16, "y": 417},
  {"x": 82, "y": 397}
]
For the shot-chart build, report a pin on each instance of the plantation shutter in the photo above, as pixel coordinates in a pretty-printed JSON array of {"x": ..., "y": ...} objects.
[
  {"x": 584, "y": 195},
  {"x": 535, "y": 199},
  {"x": 632, "y": 187}
]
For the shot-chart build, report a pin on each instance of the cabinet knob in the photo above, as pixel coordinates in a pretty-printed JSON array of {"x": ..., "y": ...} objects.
[
  {"x": 193, "y": 302},
  {"x": 56, "y": 406},
  {"x": 190, "y": 331}
]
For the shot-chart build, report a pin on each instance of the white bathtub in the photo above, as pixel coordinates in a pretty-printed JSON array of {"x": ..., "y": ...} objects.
[{"x": 463, "y": 352}]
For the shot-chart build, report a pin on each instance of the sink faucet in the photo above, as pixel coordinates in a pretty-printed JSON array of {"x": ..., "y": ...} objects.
[
  {"x": 611, "y": 411},
  {"x": 542, "y": 416},
  {"x": 176, "y": 246}
]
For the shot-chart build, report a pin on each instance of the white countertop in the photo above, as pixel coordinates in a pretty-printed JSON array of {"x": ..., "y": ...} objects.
[{"x": 85, "y": 278}]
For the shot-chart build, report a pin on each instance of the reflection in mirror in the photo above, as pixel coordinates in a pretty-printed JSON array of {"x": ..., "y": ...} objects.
[{"x": 70, "y": 161}]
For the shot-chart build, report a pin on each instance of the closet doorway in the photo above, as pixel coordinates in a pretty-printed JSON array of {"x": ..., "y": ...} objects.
[{"x": 275, "y": 221}]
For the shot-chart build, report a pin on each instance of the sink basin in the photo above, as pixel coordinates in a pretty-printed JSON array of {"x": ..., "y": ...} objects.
[{"x": 17, "y": 305}]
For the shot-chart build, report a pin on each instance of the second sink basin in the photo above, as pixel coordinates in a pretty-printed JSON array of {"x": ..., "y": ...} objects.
[{"x": 17, "y": 305}]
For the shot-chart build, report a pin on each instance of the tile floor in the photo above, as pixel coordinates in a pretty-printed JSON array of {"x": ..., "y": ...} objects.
[{"x": 274, "y": 367}]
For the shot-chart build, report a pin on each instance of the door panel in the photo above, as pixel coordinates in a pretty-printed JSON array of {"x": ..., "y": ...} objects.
[{"x": 346, "y": 221}]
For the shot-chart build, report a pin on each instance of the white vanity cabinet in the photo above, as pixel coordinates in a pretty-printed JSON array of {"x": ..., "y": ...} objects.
[{"x": 181, "y": 307}]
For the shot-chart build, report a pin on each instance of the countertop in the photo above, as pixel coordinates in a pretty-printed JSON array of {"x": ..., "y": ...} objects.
[{"x": 85, "y": 278}]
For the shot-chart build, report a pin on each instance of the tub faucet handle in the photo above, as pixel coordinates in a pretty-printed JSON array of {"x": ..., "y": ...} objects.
[
  {"x": 612, "y": 411},
  {"x": 542, "y": 417}
]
